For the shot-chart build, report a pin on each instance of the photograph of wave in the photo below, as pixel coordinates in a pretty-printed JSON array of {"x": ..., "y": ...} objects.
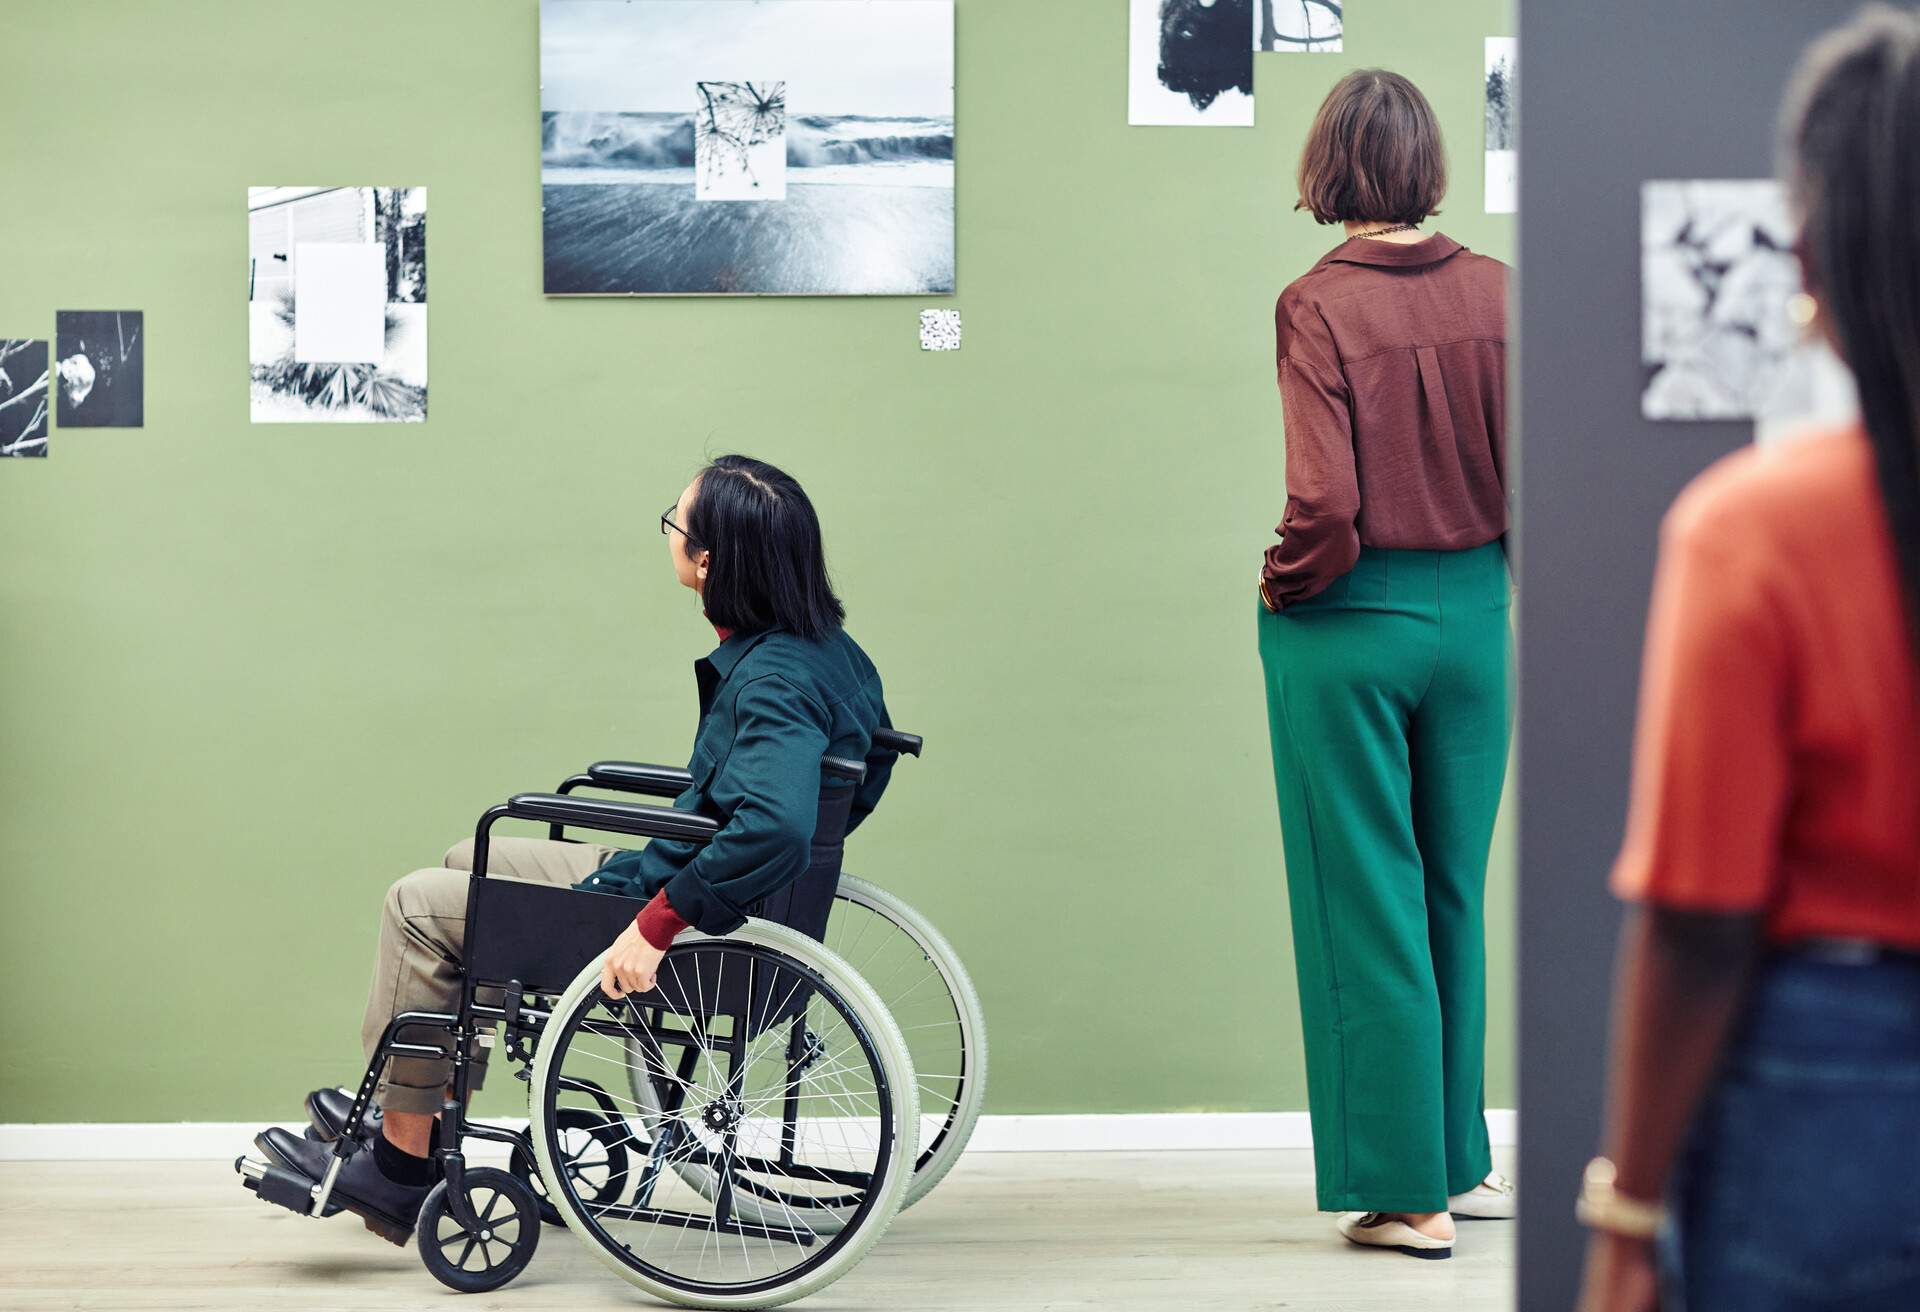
[{"x": 865, "y": 201}]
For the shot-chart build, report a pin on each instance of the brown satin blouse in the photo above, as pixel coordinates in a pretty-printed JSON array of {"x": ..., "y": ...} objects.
[{"x": 1392, "y": 363}]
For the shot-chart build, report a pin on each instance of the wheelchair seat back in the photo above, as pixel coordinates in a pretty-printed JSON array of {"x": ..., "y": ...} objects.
[
  {"x": 805, "y": 903},
  {"x": 540, "y": 935}
]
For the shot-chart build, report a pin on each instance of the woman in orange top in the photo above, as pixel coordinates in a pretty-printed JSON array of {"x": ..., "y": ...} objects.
[{"x": 1766, "y": 1054}]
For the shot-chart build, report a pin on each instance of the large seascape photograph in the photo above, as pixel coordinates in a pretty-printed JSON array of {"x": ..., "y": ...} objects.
[{"x": 747, "y": 147}]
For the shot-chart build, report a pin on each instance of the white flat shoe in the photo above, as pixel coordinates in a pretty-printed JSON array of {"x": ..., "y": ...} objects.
[
  {"x": 1377, "y": 1230},
  {"x": 1490, "y": 1200}
]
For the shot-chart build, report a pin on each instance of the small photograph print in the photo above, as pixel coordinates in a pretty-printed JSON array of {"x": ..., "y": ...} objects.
[
  {"x": 1717, "y": 273},
  {"x": 337, "y": 304},
  {"x": 939, "y": 330},
  {"x": 25, "y": 385},
  {"x": 1190, "y": 63},
  {"x": 1302, "y": 26},
  {"x": 1502, "y": 136},
  {"x": 740, "y": 141},
  {"x": 100, "y": 364},
  {"x": 747, "y": 147}
]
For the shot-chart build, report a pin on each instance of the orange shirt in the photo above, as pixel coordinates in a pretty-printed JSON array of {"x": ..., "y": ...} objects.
[{"x": 1777, "y": 764}]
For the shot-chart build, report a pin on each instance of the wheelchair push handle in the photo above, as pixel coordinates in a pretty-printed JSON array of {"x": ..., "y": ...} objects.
[
  {"x": 841, "y": 768},
  {"x": 892, "y": 740}
]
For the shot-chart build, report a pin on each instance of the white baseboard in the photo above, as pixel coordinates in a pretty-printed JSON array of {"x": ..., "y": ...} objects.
[{"x": 1147, "y": 1132}]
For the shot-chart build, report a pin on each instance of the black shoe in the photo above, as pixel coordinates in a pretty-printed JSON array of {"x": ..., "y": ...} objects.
[
  {"x": 389, "y": 1209},
  {"x": 327, "y": 1110}
]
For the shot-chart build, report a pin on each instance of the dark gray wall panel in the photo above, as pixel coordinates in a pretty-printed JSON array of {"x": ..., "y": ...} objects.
[{"x": 1612, "y": 94}]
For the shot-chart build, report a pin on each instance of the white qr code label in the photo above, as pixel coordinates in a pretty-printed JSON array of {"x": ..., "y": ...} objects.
[{"x": 939, "y": 330}]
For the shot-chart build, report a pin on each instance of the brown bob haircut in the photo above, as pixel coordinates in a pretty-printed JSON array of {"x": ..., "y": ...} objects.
[{"x": 1374, "y": 154}]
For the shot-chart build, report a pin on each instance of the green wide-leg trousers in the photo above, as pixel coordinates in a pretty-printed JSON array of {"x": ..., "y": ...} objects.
[{"x": 1389, "y": 705}]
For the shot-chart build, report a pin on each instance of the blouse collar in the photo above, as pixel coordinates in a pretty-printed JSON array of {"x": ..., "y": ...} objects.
[{"x": 1392, "y": 254}]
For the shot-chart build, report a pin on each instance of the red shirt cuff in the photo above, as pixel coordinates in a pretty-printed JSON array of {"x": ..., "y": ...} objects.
[{"x": 658, "y": 922}]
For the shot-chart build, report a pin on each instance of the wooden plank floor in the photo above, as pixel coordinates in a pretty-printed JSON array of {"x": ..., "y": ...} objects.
[{"x": 1035, "y": 1232}]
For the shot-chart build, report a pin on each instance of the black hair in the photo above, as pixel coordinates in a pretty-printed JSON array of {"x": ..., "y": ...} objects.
[
  {"x": 1850, "y": 151},
  {"x": 766, "y": 568}
]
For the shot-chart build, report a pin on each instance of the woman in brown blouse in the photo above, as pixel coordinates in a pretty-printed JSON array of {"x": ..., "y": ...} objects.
[{"x": 1383, "y": 633}]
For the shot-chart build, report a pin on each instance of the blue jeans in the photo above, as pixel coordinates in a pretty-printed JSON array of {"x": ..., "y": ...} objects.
[{"x": 1800, "y": 1188}]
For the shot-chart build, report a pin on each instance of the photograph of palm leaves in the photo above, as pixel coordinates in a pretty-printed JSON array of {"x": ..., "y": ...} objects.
[
  {"x": 289, "y": 387},
  {"x": 1303, "y": 26},
  {"x": 23, "y": 397},
  {"x": 1717, "y": 272}
]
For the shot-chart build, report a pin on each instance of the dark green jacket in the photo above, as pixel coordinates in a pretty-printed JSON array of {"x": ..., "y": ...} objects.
[{"x": 771, "y": 705}]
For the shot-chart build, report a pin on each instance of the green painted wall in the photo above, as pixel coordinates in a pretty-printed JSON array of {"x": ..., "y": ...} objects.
[{"x": 250, "y": 675}]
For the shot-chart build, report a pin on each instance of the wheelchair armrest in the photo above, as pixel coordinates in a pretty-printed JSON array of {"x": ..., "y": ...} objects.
[
  {"x": 606, "y": 815},
  {"x": 633, "y": 777},
  {"x": 892, "y": 740}
]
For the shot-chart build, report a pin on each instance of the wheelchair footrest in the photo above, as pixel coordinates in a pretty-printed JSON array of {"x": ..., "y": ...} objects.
[{"x": 276, "y": 1184}]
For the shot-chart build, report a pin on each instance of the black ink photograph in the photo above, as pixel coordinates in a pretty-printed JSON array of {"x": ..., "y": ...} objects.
[
  {"x": 1190, "y": 63},
  {"x": 24, "y": 389},
  {"x": 101, "y": 366},
  {"x": 747, "y": 147},
  {"x": 1300, "y": 26},
  {"x": 337, "y": 304},
  {"x": 1717, "y": 272}
]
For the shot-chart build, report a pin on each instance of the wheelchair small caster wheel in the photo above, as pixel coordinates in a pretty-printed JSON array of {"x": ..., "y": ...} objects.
[
  {"x": 476, "y": 1262},
  {"x": 594, "y": 1149}
]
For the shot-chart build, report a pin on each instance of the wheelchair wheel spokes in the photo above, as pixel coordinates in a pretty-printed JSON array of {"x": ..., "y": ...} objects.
[
  {"x": 764, "y": 1140},
  {"x": 921, "y": 981}
]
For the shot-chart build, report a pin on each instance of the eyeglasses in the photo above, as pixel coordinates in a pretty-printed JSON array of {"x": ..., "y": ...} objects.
[{"x": 666, "y": 522}]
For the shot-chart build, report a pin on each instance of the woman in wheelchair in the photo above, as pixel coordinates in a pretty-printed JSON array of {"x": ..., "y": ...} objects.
[{"x": 785, "y": 688}]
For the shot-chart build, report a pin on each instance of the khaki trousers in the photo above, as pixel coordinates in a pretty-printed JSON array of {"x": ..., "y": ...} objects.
[{"x": 423, "y": 927}]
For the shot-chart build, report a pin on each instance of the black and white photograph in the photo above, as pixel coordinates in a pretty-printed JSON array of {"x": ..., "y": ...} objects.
[
  {"x": 1717, "y": 274},
  {"x": 337, "y": 304},
  {"x": 25, "y": 387},
  {"x": 1502, "y": 135},
  {"x": 1190, "y": 63},
  {"x": 747, "y": 147},
  {"x": 740, "y": 141},
  {"x": 1299, "y": 26},
  {"x": 100, "y": 366}
]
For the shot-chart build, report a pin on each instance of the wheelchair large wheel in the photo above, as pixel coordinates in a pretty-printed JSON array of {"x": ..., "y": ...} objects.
[
  {"x": 807, "y": 1144},
  {"x": 931, "y": 998},
  {"x": 919, "y": 977}
]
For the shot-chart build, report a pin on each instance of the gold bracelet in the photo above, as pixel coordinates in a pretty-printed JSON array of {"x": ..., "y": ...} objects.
[{"x": 1602, "y": 1207}]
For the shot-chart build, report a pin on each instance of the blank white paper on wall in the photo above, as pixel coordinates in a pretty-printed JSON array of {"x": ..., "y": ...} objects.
[{"x": 339, "y": 302}]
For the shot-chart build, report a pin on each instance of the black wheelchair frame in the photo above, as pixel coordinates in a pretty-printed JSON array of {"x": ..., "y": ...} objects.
[{"x": 529, "y": 941}]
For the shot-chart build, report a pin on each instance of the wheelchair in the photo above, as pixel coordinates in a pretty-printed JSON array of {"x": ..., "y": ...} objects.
[{"x": 740, "y": 1135}]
